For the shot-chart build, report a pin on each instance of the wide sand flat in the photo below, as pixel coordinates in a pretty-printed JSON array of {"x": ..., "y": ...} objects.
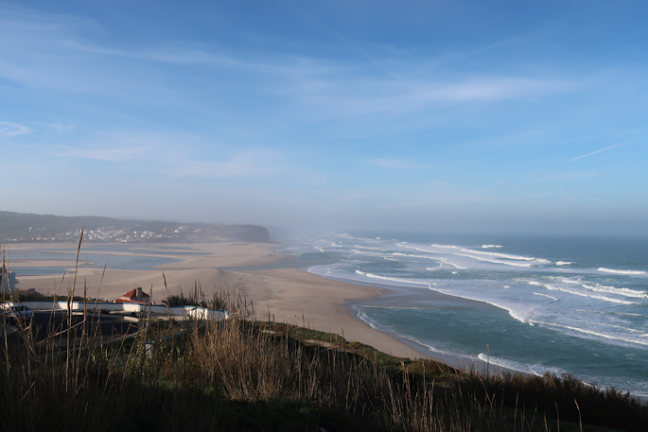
[
  {"x": 301, "y": 298},
  {"x": 287, "y": 295}
]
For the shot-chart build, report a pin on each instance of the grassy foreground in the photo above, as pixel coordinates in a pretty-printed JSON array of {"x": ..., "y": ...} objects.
[{"x": 245, "y": 375}]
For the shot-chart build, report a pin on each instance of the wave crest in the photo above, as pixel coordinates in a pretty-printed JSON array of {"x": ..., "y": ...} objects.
[{"x": 624, "y": 272}]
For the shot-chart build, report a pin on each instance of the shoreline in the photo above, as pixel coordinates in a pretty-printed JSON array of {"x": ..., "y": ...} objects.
[
  {"x": 441, "y": 300},
  {"x": 289, "y": 294},
  {"x": 286, "y": 293}
]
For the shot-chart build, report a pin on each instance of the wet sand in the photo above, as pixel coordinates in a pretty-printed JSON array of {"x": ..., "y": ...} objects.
[{"x": 287, "y": 295}]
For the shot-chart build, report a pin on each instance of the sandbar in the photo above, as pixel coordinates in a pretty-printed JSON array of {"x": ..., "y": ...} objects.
[{"x": 285, "y": 295}]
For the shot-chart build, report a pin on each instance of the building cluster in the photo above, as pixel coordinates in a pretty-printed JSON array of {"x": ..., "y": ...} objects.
[{"x": 107, "y": 234}]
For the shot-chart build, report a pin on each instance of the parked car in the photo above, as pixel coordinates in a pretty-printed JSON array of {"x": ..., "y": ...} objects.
[{"x": 18, "y": 312}]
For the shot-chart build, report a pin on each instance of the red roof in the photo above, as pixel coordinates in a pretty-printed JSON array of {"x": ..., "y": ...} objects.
[
  {"x": 131, "y": 297},
  {"x": 132, "y": 294}
]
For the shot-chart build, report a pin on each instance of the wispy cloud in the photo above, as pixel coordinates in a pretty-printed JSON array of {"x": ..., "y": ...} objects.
[
  {"x": 605, "y": 149},
  {"x": 395, "y": 164},
  {"x": 569, "y": 175},
  {"x": 58, "y": 127},
  {"x": 491, "y": 46},
  {"x": 60, "y": 53},
  {"x": 356, "y": 96},
  {"x": 13, "y": 129}
]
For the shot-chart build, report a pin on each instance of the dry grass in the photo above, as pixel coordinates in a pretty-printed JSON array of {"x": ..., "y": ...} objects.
[{"x": 244, "y": 375}]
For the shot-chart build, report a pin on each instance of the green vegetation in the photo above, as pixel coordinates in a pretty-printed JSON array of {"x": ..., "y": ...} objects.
[
  {"x": 23, "y": 227},
  {"x": 196, "y": 297},
  {"x": 244, "y": 375}
]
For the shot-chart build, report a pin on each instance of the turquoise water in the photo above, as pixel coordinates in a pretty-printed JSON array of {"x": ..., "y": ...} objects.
[
  {"x": 96, "y": 256},
  {"x": 559, "y": 304}
]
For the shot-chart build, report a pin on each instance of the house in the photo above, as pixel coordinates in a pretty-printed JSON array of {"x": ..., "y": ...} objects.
[
  {"x": 7, "y": 281},
  {"x": 136, "y": 296}
]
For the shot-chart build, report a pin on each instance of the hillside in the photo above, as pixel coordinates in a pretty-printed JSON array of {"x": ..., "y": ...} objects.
[{"x": 27, "y": 227}]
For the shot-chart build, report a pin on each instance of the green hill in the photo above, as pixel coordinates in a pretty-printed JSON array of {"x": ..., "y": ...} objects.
[{"x": 27, "y": 227}]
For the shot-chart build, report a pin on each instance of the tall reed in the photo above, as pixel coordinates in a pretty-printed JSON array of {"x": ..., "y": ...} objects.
[{"x": 243, "y": 374}]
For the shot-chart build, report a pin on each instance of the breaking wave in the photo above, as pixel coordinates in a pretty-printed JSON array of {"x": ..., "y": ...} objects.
[{"x": 623, "y": 272}]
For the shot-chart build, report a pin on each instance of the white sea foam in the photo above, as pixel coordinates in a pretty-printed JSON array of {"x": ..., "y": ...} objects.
[
  {"x": 491, "y": 246},
  {"x": 493, "y": 254},
  {"x": 435, "y": 258},
  {"x": 616, "y": 294},
  {"x": 419, "y": 342},
  {"x": 597, "y": 297},
  {"x": 623, "y": 272},
  {"x": 594, "y": 333},
  {"x": 357, "y": 252},
  {"x": 545, "y": 295},
  {"x": 631, "y": 330},
  {"x": 515, "y": 315},
  {"x": 364, "y": 317},
  {"x": 627, "y": 292},
  {"x": 538, "y": 370},
  {"x": 366, "y": 247},
  {"x": 445, "y": 246},
  {"x": 612, "y": 313},
  {"x": 570, "y": 281},
  {"x": 392, "y": 279},
  {"x": 494, "y": 261},
  {"x": 493, "y": 257}
]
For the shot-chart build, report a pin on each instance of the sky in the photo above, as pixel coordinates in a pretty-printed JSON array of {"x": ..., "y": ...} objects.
[{"x": 461, "y": 116}]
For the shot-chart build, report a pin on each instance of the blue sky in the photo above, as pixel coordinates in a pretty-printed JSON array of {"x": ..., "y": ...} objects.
[{"x": 413, "y": 115}]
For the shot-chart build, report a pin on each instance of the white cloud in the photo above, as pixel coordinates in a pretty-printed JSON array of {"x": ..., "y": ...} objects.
[{"x": 13, "y": 129}]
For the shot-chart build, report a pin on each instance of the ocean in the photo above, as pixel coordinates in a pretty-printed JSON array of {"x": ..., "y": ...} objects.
[{"x": 558, "y": 304}]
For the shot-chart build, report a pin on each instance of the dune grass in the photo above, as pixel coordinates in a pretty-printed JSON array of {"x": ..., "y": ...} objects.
[
  {"x": 250, "y": 375},
  {"x": 247, "y": 375}
]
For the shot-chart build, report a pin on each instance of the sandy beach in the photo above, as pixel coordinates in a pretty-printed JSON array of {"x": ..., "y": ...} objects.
[{"x": 287, "y": 295}]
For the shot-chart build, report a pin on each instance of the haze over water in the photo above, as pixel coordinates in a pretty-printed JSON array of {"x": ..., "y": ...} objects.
[
  {"x": 457, "y": 116},
  {"x": 546, "y": 304}
]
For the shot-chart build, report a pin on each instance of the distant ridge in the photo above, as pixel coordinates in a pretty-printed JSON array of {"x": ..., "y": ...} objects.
[{"x": 28, "y": 227}]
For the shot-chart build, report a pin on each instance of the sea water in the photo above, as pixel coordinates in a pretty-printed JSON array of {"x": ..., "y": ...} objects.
[{"x": 558, "y": 304}]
